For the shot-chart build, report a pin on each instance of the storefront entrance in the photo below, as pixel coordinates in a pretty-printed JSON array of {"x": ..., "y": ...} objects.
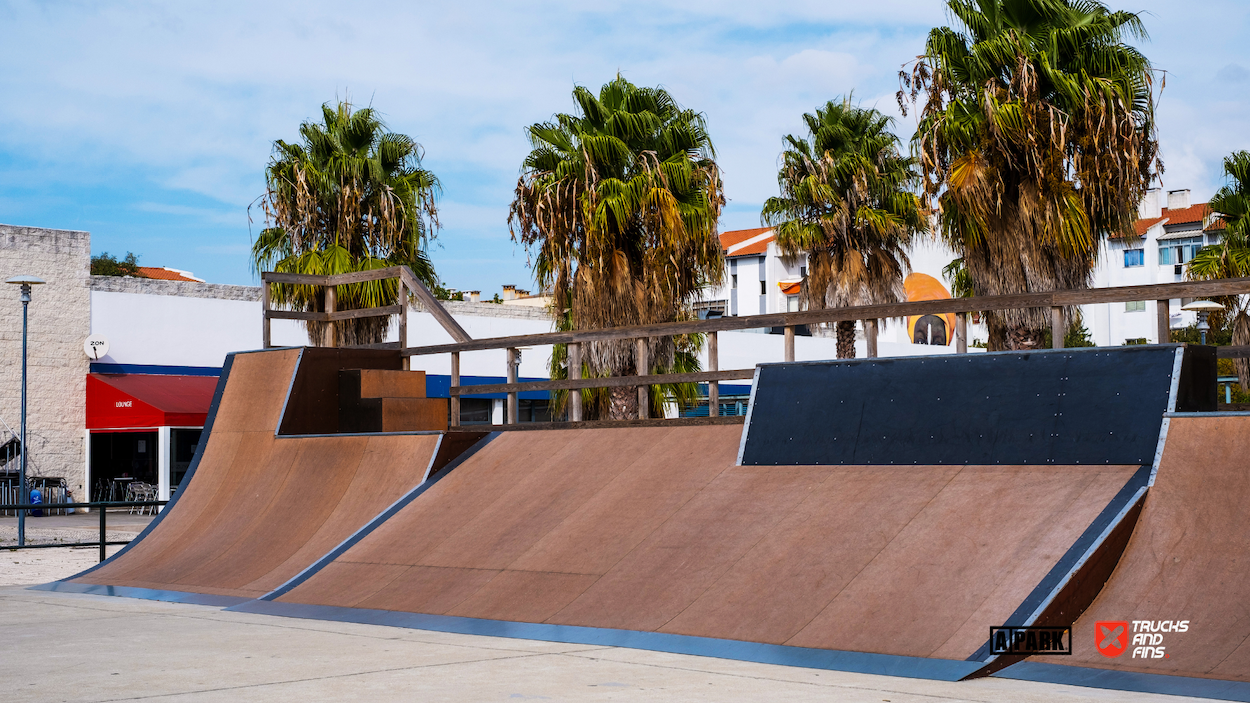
[
  {"x": 143, "y": 431},
  {"x": 119, "y": 459}
]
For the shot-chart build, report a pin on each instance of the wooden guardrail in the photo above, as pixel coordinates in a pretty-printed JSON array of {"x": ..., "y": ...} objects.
[{"x": 1056, "y": 301}]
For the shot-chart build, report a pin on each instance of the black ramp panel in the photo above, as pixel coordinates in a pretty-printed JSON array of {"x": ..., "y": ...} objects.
[{"x": 1064, "y": 407}]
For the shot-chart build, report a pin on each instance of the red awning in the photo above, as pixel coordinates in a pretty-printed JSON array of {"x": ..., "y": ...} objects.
[{"x": 118, "y": 402}]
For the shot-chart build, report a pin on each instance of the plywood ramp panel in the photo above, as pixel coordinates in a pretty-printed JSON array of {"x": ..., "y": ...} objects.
[
  {"x": 656, "y": 530},
  {"x": 1188, "y": 559},
  {"x": 261, "y": 508}
]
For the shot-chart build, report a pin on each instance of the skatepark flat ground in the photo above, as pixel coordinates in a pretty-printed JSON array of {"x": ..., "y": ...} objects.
[{"x": 74, "y": 647}]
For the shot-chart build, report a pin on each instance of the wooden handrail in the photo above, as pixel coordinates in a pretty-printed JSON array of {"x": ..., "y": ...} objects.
[
  {"x": 606, "y": 382},
  {"x": 407, "y": 282},
  {"x": 1161, "y": 291}
]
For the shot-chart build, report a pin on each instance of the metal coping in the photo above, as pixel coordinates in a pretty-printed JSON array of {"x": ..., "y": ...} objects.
[
  {"x": 1164, "y": 684},
  {"x": 746, "y": 424},
  {"x": 142, "y": 593},
  {"x": 209, "y": 420},
  {"x": 1031, "y": 608},
  {"x": 290, "y": 386},
  {"x": 309, "y": 571},
  {"x": 737, "y": 650},
  {"x": 1221, "y": 413}
]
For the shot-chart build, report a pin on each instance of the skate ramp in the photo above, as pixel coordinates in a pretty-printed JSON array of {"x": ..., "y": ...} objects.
[
  {"x": 1188, "y": 560},
  {"x": 652, "y": 537},
  {"x": 258, "y": 508}
]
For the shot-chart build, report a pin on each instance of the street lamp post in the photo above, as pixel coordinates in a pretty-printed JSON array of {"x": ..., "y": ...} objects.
[
  {"x": 1203, "y": 308},
  {"x": 23, "y": 495}
]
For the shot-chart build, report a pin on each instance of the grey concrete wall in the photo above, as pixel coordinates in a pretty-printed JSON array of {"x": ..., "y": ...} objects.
[
  {"x": 183, "y": 289},
  {"x": 60, "y": 320}
]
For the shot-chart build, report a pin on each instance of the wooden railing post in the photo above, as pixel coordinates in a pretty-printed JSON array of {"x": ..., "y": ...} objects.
[
  {"x": 713, "y": 387},
  {"x": 403, "y": 323},
  {"x": 266, "y": 339},
  {"x": 1163, "y": 325},
  {"x": 510, "y": 417},
  {"x": 575, "y": 373},
  {"x": 870, "y": 337},
  {"x": 644, "y": 392},
  {"x": 789, "y": 342},
  {"x": 331, "y": 330},
  {"x": 1056, "y": 327},
  {"x": 454, "y": 399},
  {"x": 961, "y": 333}
]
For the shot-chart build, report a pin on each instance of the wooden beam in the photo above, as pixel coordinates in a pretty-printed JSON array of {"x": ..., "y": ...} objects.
[
  {"x": 870, "y": 337},
  {"x": 607, "y": 382},
  {"x": 575, "y": 374},
  {"x": 454, "y": 402},
  {"x": 789, "y": 345},
  {"x": 265, "y": 326},
  {"x": 332, "y": 337},
  {"x": 434, "y": 307},
  {"x": 335, "y": 315},
  {"x": 1231, "y": 352},
  {"x": 402, "y": 301},
  {"x": 1163, "y": 321},
  {"x": 1198, "y": 289},
  {"x": 961, "y": 333},
  {"x": 641, "y": 366},
  {"x": 613, "y": 424},
  {"x": 1056, "y": 327},
  {"x": 338, "y": 279},
  {"x": 510, "y": 416},
  {"x": 713, "y": 387}
]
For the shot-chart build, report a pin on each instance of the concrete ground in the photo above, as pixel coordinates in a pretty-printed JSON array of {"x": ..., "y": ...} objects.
[{"x": 70, "y": 647}]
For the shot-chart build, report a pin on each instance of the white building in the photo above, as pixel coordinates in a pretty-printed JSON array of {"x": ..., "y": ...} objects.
[
  {"x": 758, "y": 280},
  {"x": 1169, "y": 233}
]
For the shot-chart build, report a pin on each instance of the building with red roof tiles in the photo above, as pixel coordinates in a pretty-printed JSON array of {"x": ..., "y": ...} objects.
[
  {"x": 1170, "y": 231},
  {"x": 165, "y": 273}
]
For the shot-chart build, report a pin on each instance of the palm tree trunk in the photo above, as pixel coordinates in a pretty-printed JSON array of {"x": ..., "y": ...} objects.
[
  {"x": 623, "y": 403},
  {"x": 1024, "y": 339},
  {"x": 846, "y": 339}
]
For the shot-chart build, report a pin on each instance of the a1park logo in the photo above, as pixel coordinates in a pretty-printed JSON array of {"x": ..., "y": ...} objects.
[{"x": 1111, "y": 636}]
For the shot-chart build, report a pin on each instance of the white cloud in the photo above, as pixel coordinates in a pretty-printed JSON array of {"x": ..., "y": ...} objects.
[{"x": 190, "y": 96}]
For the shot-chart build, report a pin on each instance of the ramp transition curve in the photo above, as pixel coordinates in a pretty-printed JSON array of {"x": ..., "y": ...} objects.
[
  {"x": 261, "y": 507},
  {"x": 653, "y": 538},
  {"x": 1188, "y": 560}
]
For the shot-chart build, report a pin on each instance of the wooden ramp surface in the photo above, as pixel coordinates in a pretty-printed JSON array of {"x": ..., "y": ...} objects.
[
  {"x": 656, "y": 530},
  {"x": 1188, "y": 559},
  {"x": 261, "y": 508}
]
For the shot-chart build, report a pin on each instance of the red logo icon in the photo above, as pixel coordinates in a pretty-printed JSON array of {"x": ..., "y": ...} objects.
[{"x": 1111, "y": 637}]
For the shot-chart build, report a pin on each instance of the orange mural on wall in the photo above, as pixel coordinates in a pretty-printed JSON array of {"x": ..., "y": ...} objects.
[{"x": 928, "y": 329}]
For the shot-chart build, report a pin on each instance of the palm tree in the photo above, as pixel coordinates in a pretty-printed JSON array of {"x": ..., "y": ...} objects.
[
  {"x": 619, "y": 205},
  {"x": 845, "y": 203},
  {"x": 1231, "y": 257},
  {"x": 1037, "y": 139},
  {"x": 350, "y": 196}
]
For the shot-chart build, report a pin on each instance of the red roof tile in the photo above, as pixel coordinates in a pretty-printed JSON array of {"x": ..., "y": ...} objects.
[
  {"x": 165, "y": 274},
  {"x": 733, "y": 238},
  {"x": 1193, "y": 213}
]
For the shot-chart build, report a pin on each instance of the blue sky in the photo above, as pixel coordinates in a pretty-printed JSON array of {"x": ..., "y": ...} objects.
[{"x": 150, "y": 124}]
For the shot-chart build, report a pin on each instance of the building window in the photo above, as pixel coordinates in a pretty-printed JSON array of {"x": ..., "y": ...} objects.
[
  {"x": 1135, "y": 340},
  {"x": 1178, "y": 251},
  {"x": 1134, "y": 257},
  {"x": 802, "y": 272},
  {"x": 1135, "y": 306},
  {"x": 792, "y": 303},
  {"x": 763, "y": 288},
  {"x": 734, "y": 283}
]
